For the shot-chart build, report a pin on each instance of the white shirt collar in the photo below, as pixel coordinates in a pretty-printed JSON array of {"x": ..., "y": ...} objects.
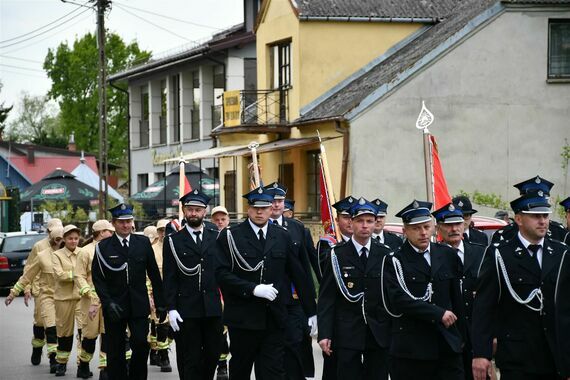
[
  {"x": 358, "y": 246},
  {"x": 380, "y": 236},
  {"x": 526, "y": 243},
  {"x": 121, "y": 239},
  {"x": 256, "y": 228},
  {"x": 345, "y": 238},
  {"x": 279, "y": 220}
]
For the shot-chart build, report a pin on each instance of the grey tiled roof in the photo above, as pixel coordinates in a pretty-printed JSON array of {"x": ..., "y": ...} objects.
[
  {"x": 344, "y": 99},
  {"x": 376, "y": 8}
]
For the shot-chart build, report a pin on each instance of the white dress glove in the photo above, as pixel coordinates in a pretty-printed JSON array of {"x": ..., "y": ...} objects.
[
  {"x": 266, "y": 291},
  {"x": 174, "y": 318},
  {"x": 313, "y": 325}
]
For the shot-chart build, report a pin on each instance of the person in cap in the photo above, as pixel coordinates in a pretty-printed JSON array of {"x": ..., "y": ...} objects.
[
  {"x": 255, "y": 258},
  {"x": 298, "y": 328},
  {"x": 42, "y": 266},
  {"x": 289, "y": 208},
  {"x": 352, "y": 320},
  {"x": 66, "y": 295},
  {"x": 159, "y": 332},
  {"x": 450, "y": 227},
  {"x": 191, "y": 291},
  {"x": 472, "y": 234},
  {"x": 33, "y": 290},
  {"x": 380, "y": 235},
  {"x": 92, "y": 318},
  {"x": 120, "y": 268},
  {"x": 503, "y": 215},
  {"x": 515, "y": 299},
  {"x": 220, "y": 217},
  {"x": 566, "y": 205},
  {"x": 324, "y": 245},
  {"x": 422, "y": 291},
  {"x": 536, "y": 185}
]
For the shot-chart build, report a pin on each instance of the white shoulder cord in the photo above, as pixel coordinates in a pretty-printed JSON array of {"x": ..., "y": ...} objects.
[
  {"x": 100, "y": 260},
  {"x": 238, "y": 258},
  {"x": 197, "y": 270},
  {"x": 353, "y": 298},
  {"x": 382, "y": 290},
  {"x": 400, "y": 277},
  {"x": 535, "y": 293}
]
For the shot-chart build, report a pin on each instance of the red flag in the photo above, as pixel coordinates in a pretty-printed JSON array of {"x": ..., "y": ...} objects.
[
  {"x": 326, "y": 211},
  {"x": 187, "y": 187},
  {"x": 440, "y": 193}
]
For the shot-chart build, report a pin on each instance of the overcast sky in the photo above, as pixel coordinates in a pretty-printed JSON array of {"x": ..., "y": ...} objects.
[{"x": 28, "y": 28}]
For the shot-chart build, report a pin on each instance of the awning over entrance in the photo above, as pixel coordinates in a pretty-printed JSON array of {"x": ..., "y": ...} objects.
[{"x": 243, "y": 150}]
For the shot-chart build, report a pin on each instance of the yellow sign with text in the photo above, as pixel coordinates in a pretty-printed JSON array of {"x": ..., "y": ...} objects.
[{"x": 232, "y": 108}]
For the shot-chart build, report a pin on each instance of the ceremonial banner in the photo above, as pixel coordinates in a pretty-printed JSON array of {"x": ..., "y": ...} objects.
[
  {"x": 440, "y": 192},
  {"x": 326, "y": 212}
]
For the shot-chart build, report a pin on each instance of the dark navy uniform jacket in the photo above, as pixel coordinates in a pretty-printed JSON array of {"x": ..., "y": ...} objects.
[
  {"x": 127, "y": 288},
  {"x": 198, "y": 295},
  {"x": 241, "y": 308}
]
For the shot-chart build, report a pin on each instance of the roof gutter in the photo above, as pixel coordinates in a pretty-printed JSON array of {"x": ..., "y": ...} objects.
[{"x": 422, "y": 20}]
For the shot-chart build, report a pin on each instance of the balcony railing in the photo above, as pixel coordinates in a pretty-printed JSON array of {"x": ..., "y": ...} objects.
[{"x": 255, "y": 107}]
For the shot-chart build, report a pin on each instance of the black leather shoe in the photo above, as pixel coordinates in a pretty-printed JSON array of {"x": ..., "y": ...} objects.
[
  {"x": 164, "y": 361},
  {"x": 52, "y": 363},
  {"x": 83, "y": 371},
  {"x": 103, "y": 375}
]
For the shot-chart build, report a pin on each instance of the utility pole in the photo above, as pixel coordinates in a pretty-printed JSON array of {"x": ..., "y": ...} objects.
[{"x": 102, "y": 79}]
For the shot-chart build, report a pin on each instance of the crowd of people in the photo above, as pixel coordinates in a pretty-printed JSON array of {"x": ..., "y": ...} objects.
[{"x": 442, "y": 302}]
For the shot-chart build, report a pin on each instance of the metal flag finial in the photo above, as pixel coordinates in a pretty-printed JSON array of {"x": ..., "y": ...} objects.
[{"x": 425, "y": 118}]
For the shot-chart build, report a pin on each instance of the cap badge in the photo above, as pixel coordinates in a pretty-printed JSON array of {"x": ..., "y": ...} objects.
[
  {"x": 460, "y": 203},
  {"x": 537, "y": 179},
  {"x": 451, "y": 208},
  {"x": 275, "y": 185},
  {"x": 361, "y": 201},
  {"x": 540, "y": 193},
  {"x": 416, "y": 204},
  {"x": 350, "y": 200},
  {"x": 123, "y": 207},
  {"x": 260, "y": 190}
]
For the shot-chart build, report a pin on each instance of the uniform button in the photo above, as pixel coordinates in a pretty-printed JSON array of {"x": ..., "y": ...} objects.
[
  {"x": 401, "y": 328},
  {"x": 466, "y": 303},
  {"x": 201, "y": 259}
]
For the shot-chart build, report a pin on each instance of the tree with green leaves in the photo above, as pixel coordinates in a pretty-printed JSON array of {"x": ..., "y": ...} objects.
[
  {"x": 73, "y": 72},
  {"x": 37, "y": 123},
  {"x": 4, "y": 111}
]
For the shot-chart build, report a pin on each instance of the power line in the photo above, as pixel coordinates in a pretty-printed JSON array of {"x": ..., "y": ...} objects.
[
  {"x": 48, "y": 37},
  {"x": 21, "y": 68},
  {"x": 44, "y": 32},
  {"x": 168, "y": 17},
  {"x": 40, "y": 28},
  {"x": 152, "y": 23},
  {"x": 20, "y": 59},
  {"x": 24, "y": 74}
]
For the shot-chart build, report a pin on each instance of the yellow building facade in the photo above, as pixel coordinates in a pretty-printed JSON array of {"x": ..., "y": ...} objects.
[{"x": 299, "y": 60}]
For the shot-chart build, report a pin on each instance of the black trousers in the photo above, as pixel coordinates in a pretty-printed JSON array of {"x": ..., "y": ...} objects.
[
  {"x": 329, "y": 366},
  {"x": 116, "y": 362},
  {"x": 447, "y": 367},
  {"x": 265, "y": 348},
  {"x": 295, "y": 329},
  {"x": 362, "y": 365},
  {"x": 198, "y": 347}
]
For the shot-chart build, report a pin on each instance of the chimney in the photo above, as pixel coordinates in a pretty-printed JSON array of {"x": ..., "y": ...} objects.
[
  {"x": 31, "y": 154},
  {"x": 71, "y": 144},
  {"x": 250, "y": 10}
]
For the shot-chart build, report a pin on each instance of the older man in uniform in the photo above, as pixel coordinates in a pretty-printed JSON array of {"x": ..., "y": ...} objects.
[
  {"x": 515, "y": 299},
  {"x": 424, "y": 297},
  {"x": 450, "y": 228},
  {"x": 191, "y": 292},
  {"x": 119, "y": 272},
  {"x": 471, "y": 233},
  {"x": 92, "y": 323},
  {"x": 351, "y": 314},
  {"x": 255, "y": 260},
  {"x": 380, "y": 234}
]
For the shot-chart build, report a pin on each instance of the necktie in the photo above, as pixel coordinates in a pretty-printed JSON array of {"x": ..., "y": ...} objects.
[
  {"x": 425, "y": 254},
  {"x": 198, "y": 240},
  {"x": 261, "y": 237},
  {"x": 363, "y": 256},
  {"x": 274, "y": 221},
  {"x": 125, "y": 245},
  {"x": 534, "y": 249}
]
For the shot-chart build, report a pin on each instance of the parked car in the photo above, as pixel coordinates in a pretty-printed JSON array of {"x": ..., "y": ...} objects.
[
  {"x": 484, "y": 223},
  {"x": 14, "y": 250}
]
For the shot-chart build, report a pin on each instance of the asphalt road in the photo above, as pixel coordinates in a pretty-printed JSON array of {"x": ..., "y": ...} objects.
[{"x": 15, "y": 349}]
